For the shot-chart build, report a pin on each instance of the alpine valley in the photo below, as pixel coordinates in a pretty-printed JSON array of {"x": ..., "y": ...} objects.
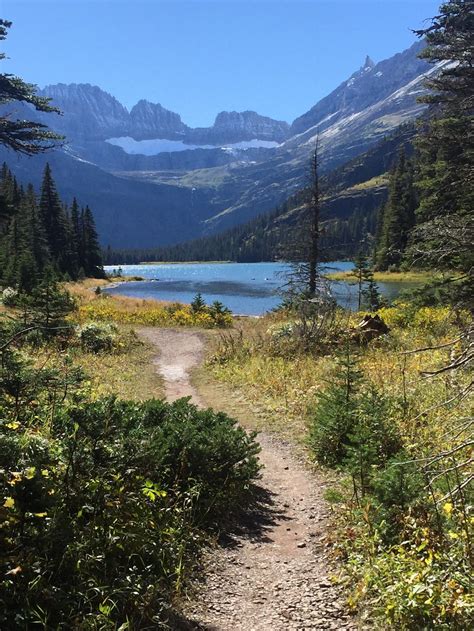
[{"x": 153, "y": 181}]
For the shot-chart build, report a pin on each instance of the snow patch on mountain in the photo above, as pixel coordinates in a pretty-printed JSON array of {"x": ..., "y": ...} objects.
[{"x": 161, "y": 145}]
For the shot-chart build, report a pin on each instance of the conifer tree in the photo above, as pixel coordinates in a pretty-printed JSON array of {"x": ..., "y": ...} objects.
[
  {"x": 398, "y": 216},
  {"x": 370, "y": 295},
  {"x": 47, "y": 304},
  {"x": 335, "y": 414},
  {"x": 92, "y": 252},
  {"x": 21, "y": 135},
  {"x": 445, "y": 228},
  {"x": 360, "y": 267},
  {"x": 304, "y": 252},
  {"x": 6, "y": 207},
  {"x": 53, "y": 217},
  {"x": 36, "y": 236},
  {"x": 25, "y": 266},
  {"x": 77, "y": 233},
  {"x": 38, "y": 243}
]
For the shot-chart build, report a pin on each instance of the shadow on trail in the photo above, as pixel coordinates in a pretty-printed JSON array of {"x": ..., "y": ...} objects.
[
  {"x": 177, "y": 622},
  {"x": 253, "y": 523},
  {"x": 256, "y": 521}
]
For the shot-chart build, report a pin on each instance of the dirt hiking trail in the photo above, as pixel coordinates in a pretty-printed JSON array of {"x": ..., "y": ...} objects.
[{"x": 271, "y": 573}]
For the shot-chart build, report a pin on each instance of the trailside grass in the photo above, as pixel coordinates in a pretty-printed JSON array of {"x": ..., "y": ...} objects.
[
  {"x": 274, "y": 387},
  {"x": 127, "y": 371}
]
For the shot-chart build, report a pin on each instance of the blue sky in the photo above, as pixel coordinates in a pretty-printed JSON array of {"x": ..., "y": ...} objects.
[{"x": 198, "y": 57}]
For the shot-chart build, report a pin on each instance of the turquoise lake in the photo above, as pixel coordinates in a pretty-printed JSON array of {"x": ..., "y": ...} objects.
[{"x": 246, "y": 288}]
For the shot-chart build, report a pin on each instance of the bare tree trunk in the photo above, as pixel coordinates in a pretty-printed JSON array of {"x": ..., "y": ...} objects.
[{"x": 314, "y": 211}]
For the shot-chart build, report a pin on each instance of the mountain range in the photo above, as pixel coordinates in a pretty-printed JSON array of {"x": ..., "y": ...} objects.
[
  {"x": 152, "y": 180},
  {"x": 91, "y": 114}
]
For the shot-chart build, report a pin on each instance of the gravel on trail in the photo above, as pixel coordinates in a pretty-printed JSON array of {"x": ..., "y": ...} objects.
[{"x": 272, "y": 572}]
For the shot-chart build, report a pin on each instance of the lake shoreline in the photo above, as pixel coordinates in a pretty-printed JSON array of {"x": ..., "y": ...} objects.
[{"x": 248, "y": 289}]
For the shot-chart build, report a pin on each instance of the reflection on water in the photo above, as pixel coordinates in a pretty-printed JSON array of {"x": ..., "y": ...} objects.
[{"x": 246, "y": 288}]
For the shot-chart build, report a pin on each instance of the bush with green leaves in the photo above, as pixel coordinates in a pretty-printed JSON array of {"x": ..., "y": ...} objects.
[
  {"x": 104, "y": 503},
  {"x": 103, "y": 512},
  {"x": 9, "y": 296},
  {"x": 397, "y": 490},
  {"x": 96, "y": 337}
]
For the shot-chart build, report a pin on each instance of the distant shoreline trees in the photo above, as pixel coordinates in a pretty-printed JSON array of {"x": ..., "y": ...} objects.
[{"x": 397, "y": 216}]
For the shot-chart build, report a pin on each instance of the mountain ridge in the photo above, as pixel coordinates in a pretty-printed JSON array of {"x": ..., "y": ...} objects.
[
  {"x": 215, "y": 187},
  {"x": 84, "y": 105}
]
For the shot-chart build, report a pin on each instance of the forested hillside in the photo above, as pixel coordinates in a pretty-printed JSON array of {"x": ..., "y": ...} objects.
[{"x": 38, "y": 232}]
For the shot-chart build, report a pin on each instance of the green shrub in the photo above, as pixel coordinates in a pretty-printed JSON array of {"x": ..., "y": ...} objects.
[
  {"x": 399, "y": 484},
  {"x": 103, "y": 504},
  {"x": 397, "y": 489},
  {"x": 373, "y": 438},
  {"x": 9, "y": 296},
  {"x": 334, "y": 418},
  {"x": 415, "y": 584},
  {"x": 97, "y": 336}
]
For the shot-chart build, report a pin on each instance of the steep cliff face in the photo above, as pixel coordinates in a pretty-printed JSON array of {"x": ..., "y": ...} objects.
[
  {"x": 88, "y": 111},
  {"x": 371, "y": 84},
  {"x": 152, "y": 120},
  {"x": 234, "y": 127}
]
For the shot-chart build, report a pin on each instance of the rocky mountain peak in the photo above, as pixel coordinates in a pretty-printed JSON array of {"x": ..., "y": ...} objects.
[
  {"x": 364, "y": 88},
  {"x": 368, "y": 63},
  {"x": 240, "y": 126},
  {"x": 151, "y": 120},
  {"x": 89, "y": 111}
]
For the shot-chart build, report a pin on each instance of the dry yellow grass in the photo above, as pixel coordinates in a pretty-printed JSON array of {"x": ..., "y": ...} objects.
[
  {"x": 128, "y": 372},
  {"x": 392, "y": 277},
  {"x": 104, "y": 307},
  {"x": 283, "y": 390},
  {"x": 84, "y": 290}
]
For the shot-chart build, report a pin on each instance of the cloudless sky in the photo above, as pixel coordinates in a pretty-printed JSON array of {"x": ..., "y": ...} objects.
[{"x": 198, "y": 57}]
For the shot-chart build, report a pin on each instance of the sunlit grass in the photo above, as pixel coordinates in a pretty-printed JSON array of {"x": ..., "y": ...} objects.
[
  {"x": 284, "y": 388},
  {"x": 127, "y": 372},
  {"x": 392, "y": 277},
  {"x": 103, "y": 307},
  {"x": 276, "y": 389}
]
